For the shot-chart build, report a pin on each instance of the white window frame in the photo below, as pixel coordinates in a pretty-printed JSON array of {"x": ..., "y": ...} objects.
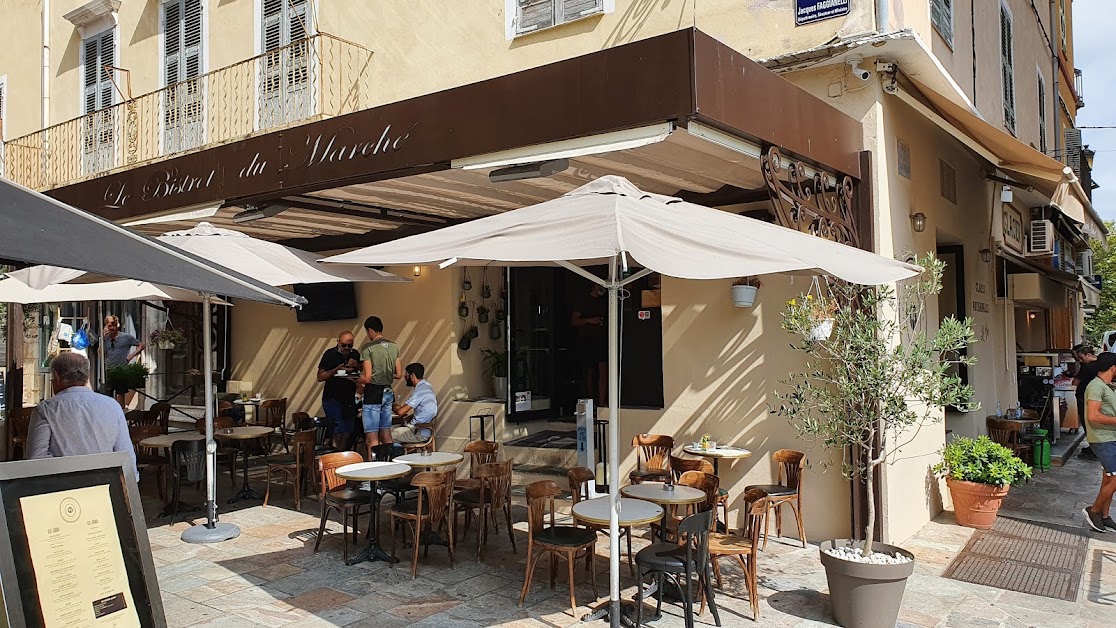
[
  {"x": 1043, "y": 112},
  {"x": 1013, "y": 124},
  {"x": 511, "y": 14},
  {"x": 952, "y": 22},
  {"x": 204, "y": 69}
]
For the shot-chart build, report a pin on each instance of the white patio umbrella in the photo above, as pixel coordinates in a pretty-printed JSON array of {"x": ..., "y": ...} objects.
[
  {"x": 612, "y": 221},
  {"x": 13, "y": 290}
]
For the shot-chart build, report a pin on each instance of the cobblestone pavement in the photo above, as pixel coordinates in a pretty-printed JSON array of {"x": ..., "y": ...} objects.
[{"x": 269, "y": 576}]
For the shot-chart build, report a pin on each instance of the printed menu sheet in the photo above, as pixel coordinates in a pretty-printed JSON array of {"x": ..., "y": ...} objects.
[{"x": 77, "y": 559}]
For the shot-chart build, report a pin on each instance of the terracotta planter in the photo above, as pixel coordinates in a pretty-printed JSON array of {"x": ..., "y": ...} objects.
[
  {"x": 865, "y": 595},
  {"x": 976, "y": 504}
]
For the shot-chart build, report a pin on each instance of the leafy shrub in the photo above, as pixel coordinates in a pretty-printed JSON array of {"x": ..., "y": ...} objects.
[
  {"x": 131, "y": 375},
  {"x": 983, "y": 461}
]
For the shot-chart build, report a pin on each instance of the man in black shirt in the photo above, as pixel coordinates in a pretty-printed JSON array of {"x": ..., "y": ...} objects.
[
  {"x": 1086, "y": 372},
  {"x": 338, "y": 368},
  {"x": 588, "y": 320}
]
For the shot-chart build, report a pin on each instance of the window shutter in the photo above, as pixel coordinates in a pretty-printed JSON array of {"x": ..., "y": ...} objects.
[
  {"x": 272, "y": 25},
  {"x": 91, "y": 71},
  {"x": 574, "y": 9},
  {"x": 296, "y": 21},
  {"x": 1042, "y": 113},
  {"x": 192, "y": 38},
  {"x": 1073, "y": 150},
  {"x": 1008, "y": 66},
  {"x": 941, "y": 14},
  {"x": 533, "y": 15},
  {"x": 106, "y": 58},
  {"x": 172, "y": 41}
]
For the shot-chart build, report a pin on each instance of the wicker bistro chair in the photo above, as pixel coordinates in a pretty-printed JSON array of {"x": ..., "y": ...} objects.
[
  {"x": 678, "y": 466},
  {"x": 579, "y": 478},
  {"x": 334, "y": 495},
  {"x": 162, "y": 410},
  {"x": 429, "y": 510},
  {"x": 1007, "y": 434},
  {"x": 788, "y": 491},
  {"x": 743, "y": 547},
  {"x": 480, "y": 452},
  {"x": 706, "y": 482},
  {"x": 686, "y": 563},
  {"x": 556, "y": 540},
  {"x": 147, "y": 457},
  {"x": 187, "y": 465},
  {"x": 224, "y": 452},
  {"x": 297, "y": 467},
  {"x": 493, "y": 495},
  {"x": 20, "y": 425},
  {"x": 652, "y": 458}
]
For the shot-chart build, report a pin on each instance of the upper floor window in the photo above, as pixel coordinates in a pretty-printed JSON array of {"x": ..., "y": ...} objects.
[
  {"x": 183, "y": 100},
  {"x": 285, "y": 65},
  {"x": 528, "y": 16},
  {"x": 1042, "y": 113},
  {"x": 1007, "y": 62},
  {"x": 1062, "y": 23},
  {"x": 98, "y": 51},
  {"x": 941, "y": 15}
]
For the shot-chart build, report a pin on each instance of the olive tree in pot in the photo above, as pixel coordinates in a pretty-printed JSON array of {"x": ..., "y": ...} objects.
[
  {"x": 865, "y": 392},
  {"x": 979, "y": 473}
]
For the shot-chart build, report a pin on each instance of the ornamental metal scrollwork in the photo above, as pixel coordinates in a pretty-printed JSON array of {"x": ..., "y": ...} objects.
[{"x": 818, "y": 205}]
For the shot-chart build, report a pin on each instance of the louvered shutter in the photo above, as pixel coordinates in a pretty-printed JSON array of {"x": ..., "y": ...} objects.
[
  {"x": 941, "y": 14},
  {"x": 285, "y": 68},
  {"x": 1042, "y": 113},
  {"x": 1007, "y": 63},
  {"x": 99, "y": 127},
  {"x": 192, "y": 38},
  {"x": 1073, "y": 149},
  {"x": 533, "y": 15},
  {"x": 172, "y": 41},
  {"x": 574, "y": 9}
]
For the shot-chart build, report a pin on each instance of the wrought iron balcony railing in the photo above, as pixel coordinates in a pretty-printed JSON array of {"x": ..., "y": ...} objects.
[{"x": 318, "y": 77}]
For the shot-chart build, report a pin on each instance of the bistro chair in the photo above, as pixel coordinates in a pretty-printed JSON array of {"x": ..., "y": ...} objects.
[
  {"x": 705, "y": 482},
  {"x": 273, "y": 414},
  {"x": 141, "y": 417},
  {"x": 579, "y": 478},
  {"x": 787, "y": 490},
  {"x": 678, "y": 466},
  {"x": 335, "y": 495},
  {"x": 162, "y": 410},
  {"x": 1007, "y": 434},
  {"x": 296, "y": 467},
  {"x": 20, "y": 425},
  {"x": 479, "y": 452},
  {"x": 426, "y": 445},
  {"x": 563, "y": 541},
  {"x": 686, "y": 563},
  {"x": 428, "y": 510},
  {"x": 493, "y": 494},
  {"x": 743, "y": 547},
  {"x": 396, "y": 487},
  {"x": 652, "y": 458},
  {"x": 224, "y": 453},
  {"x": 188, "y": 465},
  {"x": 146, "y": 457}
]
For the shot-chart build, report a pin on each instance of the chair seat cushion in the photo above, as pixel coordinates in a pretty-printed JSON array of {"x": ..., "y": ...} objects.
[
  {"x": 410, "y": 508},
  {"x": 465, "y": 484},
  {"x": 349, "y": 495},
  {"x": 566, "y": 536},
  {"x": 281, "y": 460},
  {"x": 669, "y": 557},
  {"x": 473, "y": 496},
  {"x": 773, "y": 490}
]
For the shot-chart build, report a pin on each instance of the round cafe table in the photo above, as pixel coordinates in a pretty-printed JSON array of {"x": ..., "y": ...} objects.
[
  {"x": 164, "y": 441},
  {"x": 431, "y": 460},
  {"x": 716, "y": 454},
  {"x": 655, "y": 492},
  {"x": 633, "y": 512},
  {"x": 373, "y": 473},
  {"x": 243, "y": 435}
]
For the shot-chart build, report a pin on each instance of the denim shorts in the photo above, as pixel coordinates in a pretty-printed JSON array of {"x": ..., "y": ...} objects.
[
  {"x": 339, "y": 414},
  {"x": 377, "y": 416},
  {"x": 1106, "y": 453}
]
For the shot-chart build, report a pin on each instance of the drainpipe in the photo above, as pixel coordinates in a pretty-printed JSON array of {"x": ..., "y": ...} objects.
[
  {"x": 1054, "y": 75},
  {"x": 882, "y": 16},
  {"x": 46, "y": 64}
]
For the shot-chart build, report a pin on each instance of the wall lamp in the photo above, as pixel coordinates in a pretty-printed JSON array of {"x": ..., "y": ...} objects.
[
  {"x": 918, "y": 221},
  {"x": 1032, "y": 315},
  {"x": 416, "y": 271},
  {"x": 986, "y": 255}
]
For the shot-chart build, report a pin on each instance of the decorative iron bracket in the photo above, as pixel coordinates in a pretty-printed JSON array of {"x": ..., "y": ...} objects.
[{"x": 817, "y": 205}]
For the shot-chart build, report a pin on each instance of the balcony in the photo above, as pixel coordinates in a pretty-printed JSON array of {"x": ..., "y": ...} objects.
[{"x": 314, "y": 78}]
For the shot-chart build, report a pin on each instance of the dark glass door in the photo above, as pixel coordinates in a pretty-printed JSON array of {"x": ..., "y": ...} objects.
[{"x": 533, "y": 350}]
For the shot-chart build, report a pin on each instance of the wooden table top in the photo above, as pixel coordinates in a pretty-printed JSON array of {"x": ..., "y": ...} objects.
[
  {"x": 654, "y": 492},
  {"x": 632, "y": 511}
]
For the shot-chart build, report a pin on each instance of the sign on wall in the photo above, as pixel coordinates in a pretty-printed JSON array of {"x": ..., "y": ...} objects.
[
  {"x": 1012, "y": 222},
  {"x": 810, "y": 11}
]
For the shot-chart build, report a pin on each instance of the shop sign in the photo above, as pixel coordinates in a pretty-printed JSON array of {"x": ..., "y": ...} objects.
[
  {"x": 810, "y": 11},
  {"x": 1012, "y": 223}
]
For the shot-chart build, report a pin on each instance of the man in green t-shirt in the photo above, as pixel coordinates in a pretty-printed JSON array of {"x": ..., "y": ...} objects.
[
  {"x": 1100, "y": 414},
  {"x": 380, "y": 358}
]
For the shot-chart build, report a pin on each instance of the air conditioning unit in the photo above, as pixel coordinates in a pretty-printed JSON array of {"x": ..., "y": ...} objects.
[
  {"x": 1041, "y": 239},
  {"x": 1085, "y": 263}
]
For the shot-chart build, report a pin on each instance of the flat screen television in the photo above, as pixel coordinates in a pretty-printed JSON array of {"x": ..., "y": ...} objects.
[{"x": 326, "y": 301}]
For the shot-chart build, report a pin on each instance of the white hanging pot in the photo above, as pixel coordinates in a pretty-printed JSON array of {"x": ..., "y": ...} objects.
[
  {"x": 744, "y": 296},
  {"x": 822, "y": 331},
  {"x": 166, "y": 344}
]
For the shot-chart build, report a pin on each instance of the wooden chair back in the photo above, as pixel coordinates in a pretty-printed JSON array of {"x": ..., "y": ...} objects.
[
  {"x": 436, "y": 489},
  {"x": 652, "y": 451},
  {"x": 705, "y": 482},
  {"x": 790, "y": 465},
  {"x": 755, "y": 506},
  {"x": 1004, "y": 432},
  {"x": 141, "y": 417},
  {"x": 480, "y": 452},
  {"x": 302, "y": 421},
  {"x": 224, "y": 406},
  {"x": 540, "y": 503},
  {"x": 273, "y": 413},
  {"x": 162, "y": 410},
  {"x": 678, "y": 466},
  {"x": 328, "y": 465},
  {"x": 495, "y": 480},
  {"x": 219, "y": 423},
  {"x": 21, "y": 422},
  {"x": 137, "y": 433},
  {"x": 579, "y": 478},
  {"x": 303, "y": 441}
]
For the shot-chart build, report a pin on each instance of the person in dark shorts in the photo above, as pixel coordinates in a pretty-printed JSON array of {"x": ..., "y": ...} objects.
[
  {"x": 1100, "y": 408},
  {"x": 588, "y": 319},
  {"x": 120, "y": 349},
  {"x": 338, "y": 368},
  {"x": 1086, "y": 372}
]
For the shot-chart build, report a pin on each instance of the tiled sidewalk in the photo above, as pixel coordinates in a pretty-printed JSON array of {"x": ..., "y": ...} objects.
[{"x": 270, "y": 577}]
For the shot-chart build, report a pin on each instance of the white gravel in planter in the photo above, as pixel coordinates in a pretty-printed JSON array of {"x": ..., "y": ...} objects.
[{"x": 856, "y": 555}]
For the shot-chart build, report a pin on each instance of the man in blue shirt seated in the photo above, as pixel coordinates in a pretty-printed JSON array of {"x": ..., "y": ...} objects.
[{"x": 419, "y": 410}]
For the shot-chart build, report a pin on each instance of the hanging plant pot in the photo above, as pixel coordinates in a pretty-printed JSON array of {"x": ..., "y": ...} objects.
[
  {"x": 744, "y": 296},
  {"x": 495, "y": 331},
  {"x": 822, "y": 331},
  {"x": 465, "y": 342},
  {"x": 166, "y": 345},
  {"x": 501, "y": 315},
  {"x": 466, "y": 285},
  {"x": 486, "y": 291},
  {"x": 463, "y": 308},
  {"x": 473, "y": 332},
  {"x": 482, "y": 315}
]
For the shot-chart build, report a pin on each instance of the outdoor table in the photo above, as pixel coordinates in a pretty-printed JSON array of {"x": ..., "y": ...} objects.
[
  {"x": 656, "y": 492},
  {"x": 253, "y": 403},
  {"x": 430, "y": 460},
  {"x": 716, "y": 454},
  {"x": 632, "y": 512},
  {"x": 164, "y": 441},
  {"x": 243, "y": 434},
  {"x": 373, "y": 473}
]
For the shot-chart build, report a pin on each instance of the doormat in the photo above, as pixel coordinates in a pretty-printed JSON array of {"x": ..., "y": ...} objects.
[
  {"x": 547, "y": 439},
  {"x": 1025, "y": 556}
]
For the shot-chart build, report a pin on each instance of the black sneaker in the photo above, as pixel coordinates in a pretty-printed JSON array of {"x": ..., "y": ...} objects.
[
  {"x": 1109, "y": 523},
  {"x": 1094, "y": 520},
  {"x": 1088, "y": 454}
]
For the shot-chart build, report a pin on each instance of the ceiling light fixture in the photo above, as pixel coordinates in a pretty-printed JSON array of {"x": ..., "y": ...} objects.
[
  {"x": 529, "y": 171},
  {"x": 257, "y": 212}
]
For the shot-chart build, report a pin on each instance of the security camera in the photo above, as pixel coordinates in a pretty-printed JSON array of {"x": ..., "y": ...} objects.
[{"x": 858, "y": 71}]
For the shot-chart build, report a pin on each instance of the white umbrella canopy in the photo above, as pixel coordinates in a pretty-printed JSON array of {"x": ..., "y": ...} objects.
[
  {"x": 610, "y": 220},
  {"x": 610, "y": 217},
  {"x": 13, "y": 290}
]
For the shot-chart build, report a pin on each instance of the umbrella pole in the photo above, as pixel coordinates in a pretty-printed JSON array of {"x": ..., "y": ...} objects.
[
  {"x": 613, "y": 441},
  {"x": 211, "y": 531}
]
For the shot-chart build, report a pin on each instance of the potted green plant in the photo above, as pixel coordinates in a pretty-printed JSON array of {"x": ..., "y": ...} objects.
[
  {"x": 167, "y": 338},
  {"x": 867, "y": 387},
  {"x": 979, "y": 473},
  {"x": 495, "y": 362},
  {"x": 744, "y": 291},
  {"x": 127, "y": 376}
]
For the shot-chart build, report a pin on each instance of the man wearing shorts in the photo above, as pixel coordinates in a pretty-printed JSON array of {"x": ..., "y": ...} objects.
[
  {"x": 420, "y": 409},
  {"x": 337, "y": 369},
  {"x": 1086, "y": 372},
  {"x": 1100, "y": 413},
  {"x": 381, "y": 367}
]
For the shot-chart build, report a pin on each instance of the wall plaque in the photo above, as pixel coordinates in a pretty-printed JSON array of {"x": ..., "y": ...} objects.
[{"x": 1012, "y": 224}]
